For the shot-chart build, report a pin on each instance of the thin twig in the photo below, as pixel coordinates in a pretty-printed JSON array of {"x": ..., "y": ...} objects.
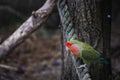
[{"x": 2, "y": 66}]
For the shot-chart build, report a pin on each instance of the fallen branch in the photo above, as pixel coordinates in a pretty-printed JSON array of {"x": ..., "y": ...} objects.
[
  {"x": 28, "y": 27},
  {"x": 6, "y": 67},
  {"x": 11, "y": 68}
]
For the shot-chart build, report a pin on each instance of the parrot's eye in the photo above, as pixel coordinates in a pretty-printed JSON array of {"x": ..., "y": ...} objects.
[{"x": 71, "y": 44}]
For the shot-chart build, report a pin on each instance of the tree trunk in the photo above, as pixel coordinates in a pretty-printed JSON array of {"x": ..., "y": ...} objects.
[{"x": 91, "y": 25}]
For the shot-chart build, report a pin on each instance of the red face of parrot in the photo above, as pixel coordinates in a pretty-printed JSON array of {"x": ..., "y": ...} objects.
[{"x": 72, "y": 47}]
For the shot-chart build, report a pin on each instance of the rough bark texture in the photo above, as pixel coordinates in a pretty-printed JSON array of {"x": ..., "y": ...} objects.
[
  {"x": 89, "y": 19},
  {"x": 32, "y": 24}
]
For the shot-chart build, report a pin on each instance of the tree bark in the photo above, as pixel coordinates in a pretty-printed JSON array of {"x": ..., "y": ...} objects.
[{"x": 89, "y": 20}]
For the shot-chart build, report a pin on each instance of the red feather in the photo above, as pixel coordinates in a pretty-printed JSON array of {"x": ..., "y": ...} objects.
[
  {"x": 73, "y": 48},
  {"x": 68, "y": 44}
]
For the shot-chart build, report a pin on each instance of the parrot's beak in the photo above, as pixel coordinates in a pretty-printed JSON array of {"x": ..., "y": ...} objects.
[{"x": 67, "y": 48}]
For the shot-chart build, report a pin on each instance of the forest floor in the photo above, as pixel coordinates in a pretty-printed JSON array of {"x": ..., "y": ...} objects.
[{"x": 38, "y": 58}]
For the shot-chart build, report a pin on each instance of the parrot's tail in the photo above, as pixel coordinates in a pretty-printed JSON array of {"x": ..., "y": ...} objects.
[{"x": 103, "y": 60}]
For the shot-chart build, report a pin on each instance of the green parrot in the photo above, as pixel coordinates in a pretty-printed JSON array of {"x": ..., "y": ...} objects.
[{"x": 84, "y": 51}]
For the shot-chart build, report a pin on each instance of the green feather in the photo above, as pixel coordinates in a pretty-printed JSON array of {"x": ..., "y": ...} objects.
[{"x": 103, "y": 59}]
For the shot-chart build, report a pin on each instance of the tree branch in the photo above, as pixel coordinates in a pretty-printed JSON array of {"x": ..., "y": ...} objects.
[
  {"x": 6, "y": 67},
  {"x": 28, "y": 27}
]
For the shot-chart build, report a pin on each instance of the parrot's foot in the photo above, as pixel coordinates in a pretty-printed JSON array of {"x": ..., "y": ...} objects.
[{"x": 82, "y": 66}]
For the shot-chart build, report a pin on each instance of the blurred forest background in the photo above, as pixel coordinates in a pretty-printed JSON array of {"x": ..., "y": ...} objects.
[{"x": 39, "y": 56}]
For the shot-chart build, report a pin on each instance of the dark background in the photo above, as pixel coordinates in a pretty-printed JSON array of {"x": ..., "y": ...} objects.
[{"x": 115, "y": 36}]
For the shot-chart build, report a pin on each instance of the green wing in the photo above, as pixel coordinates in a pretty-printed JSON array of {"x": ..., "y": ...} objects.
[{"x": 90, "y": 55}]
